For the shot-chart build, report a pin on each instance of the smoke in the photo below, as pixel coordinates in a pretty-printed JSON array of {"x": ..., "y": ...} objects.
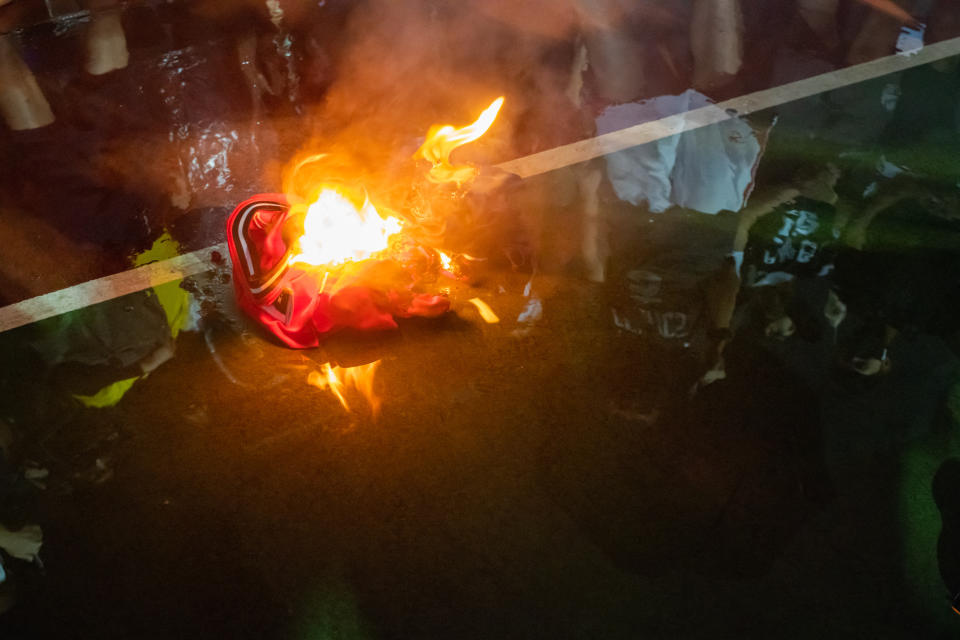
[
  {"x": 406, "y": 66},
  {"x": 397, "y": 68}
]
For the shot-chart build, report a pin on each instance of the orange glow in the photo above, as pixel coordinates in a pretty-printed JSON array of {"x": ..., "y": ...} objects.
[
  {"x": 339, "y": 227},
  {"x": 341, "y": 224},
  {"x": 445, "y": 260},
  {"x": 485, "y": 311},
  {"x": 336, "y": 380},
  {"x": 442, "y": 140}
]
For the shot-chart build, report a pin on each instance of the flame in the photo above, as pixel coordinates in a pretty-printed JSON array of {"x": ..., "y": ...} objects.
[
  {"x": 342, "y": 225},
  {"x": 485, "y": 311},
  {"x": 445, "y": 260},
  {"x": 336, "y": 230},
  {"x": 336, "y": 379},
  {"x": 442, "y": 140}
]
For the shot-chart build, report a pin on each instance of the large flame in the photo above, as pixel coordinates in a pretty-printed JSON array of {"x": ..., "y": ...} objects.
[
  {"x": 342, "y": 225},
  {"x": 442, "y": 140},
  {"x": 336, "y": 229},
  {"x": 337, "y": 379}
]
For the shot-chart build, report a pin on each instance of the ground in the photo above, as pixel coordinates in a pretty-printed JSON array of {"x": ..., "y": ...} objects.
[{"x": 498, "y": 494}]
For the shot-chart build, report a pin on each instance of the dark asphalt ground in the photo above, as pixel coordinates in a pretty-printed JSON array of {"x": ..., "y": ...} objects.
[{"x": 499, "y": 494}]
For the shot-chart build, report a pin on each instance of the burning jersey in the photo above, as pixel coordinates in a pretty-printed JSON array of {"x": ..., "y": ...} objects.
[{"x": 300, "y": 304}]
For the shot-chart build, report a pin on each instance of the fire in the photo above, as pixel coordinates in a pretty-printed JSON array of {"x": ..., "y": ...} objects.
[
  {"x": 485, "y": 311},
  {"x": 336, "y": 379},
  {"x": 445, "y": 260},
  {"x": 442, "y": 140},
  {"x": 337, "y": 230},
  {"x": 342, "y": 224}
]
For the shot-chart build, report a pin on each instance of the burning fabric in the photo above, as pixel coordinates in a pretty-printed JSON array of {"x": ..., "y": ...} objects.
[
  {"x": 308, "y": 267},
  {"x": 301, "y": 287}
]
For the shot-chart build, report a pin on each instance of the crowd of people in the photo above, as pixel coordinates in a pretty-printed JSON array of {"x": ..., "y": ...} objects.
[{"x": 714, "y": 245}]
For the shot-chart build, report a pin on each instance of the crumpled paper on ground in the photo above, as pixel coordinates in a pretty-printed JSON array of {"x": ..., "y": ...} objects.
[
  {"x": 707, "y": 169},
  {"x": 23, "y": 544}
]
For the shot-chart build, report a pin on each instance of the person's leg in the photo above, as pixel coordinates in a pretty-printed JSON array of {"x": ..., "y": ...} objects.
[
  {"x": 716, "y": 40},
  {"x": 22, "y": 103},
  {"x": 594, "y": 249},
  {"x": 614, "y": 51},
  {"x": 106, "y": 41}
]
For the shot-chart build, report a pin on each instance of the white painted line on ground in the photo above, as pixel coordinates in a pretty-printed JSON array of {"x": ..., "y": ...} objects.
[
  {"x": 114, "y": 286},
  {"x": 108, "y": 288}
]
